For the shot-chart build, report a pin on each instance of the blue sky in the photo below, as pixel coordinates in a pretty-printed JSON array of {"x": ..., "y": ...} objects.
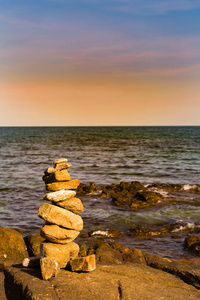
[
  {"x": 123, "y": 41},
  {"x": 166, "y": 33}
]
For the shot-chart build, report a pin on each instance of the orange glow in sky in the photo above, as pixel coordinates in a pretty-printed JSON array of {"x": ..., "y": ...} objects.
[{"x": 82, "y": 63}]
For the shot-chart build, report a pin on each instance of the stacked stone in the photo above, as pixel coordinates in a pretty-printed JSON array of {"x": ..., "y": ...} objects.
[{"x": 63, "y": 224}]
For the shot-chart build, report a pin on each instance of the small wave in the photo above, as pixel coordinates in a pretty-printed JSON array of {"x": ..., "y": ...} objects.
[
  {"x": 162, "y": 192},
  {"x": 187, "y": 187},
  {"x": 187, "y": 226}
]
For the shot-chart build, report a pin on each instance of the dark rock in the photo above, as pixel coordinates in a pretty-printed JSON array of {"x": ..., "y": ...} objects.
[
  {"x": 2, "y": 289},
  {"x": 166, "y": 186},
  {"x": 133, "y": 194},
  {"x": 129, "y": 254},
  {"x": 83, "y": 250},
  {"x": 142, "y": 231},
  {"x": 192, "y": 243},
  {"x": 145, "y": 199},
  {"x": 12, "y": 246},
  {"x": 33, "y": 244},
  {"x": 84, "y": 235},
  {"x": 86, "y": 189},
  {"x": 112, "y": 253},
  {"x": 106, "y": 254},
  {"x": 121, "y": 199},
  {"x": 124, "y": 189}
]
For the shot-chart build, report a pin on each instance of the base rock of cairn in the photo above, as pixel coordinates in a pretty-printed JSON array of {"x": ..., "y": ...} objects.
[{"x": 62, "y": 225}]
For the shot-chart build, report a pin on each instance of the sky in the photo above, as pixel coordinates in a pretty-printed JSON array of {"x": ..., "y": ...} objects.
[{"x": 99, "y": 63}]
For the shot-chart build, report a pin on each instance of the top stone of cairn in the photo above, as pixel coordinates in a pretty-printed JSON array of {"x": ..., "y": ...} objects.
[{"x": 60, "y": 161}]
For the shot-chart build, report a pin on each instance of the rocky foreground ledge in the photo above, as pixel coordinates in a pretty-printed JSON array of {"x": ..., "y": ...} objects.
[
  {"x": 110, "y": 282},
  {"x": 122, "y": 273}
]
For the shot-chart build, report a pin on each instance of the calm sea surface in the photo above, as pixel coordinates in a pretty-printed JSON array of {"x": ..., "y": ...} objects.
[{"x": 104, "y": 155}]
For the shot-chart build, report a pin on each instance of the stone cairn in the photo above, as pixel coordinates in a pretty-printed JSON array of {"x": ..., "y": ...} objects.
[{"x": 63, "y": 224}]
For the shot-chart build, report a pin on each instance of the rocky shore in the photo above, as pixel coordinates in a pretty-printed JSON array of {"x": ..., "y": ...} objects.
[
  {"x": 127, "y": 270},
  {"x": 123, "y": 272}
]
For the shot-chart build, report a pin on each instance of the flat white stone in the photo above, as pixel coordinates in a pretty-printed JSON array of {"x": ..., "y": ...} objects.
[{"x": 61, "y": 195}]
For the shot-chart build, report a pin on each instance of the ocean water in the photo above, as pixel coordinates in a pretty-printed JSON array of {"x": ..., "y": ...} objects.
[{"x": 105, "y": 155}]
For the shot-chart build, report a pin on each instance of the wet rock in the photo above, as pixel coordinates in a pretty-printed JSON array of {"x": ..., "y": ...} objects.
[
  {"x": 148, "y": 196},
  {"x": 12, "y": 245},
  {"x": 59, "y": 196},
  {"x": 134, "y": 194},
  {"x": 60, "y": 175},
  {"x": 192, "y": 243},
  {"x": 83, "y": 250},
  {"x": 63, "y": 185},
  {"x": 84, "y": 264},
  {"x": 49, "y": 268},
  {"x": 124, "y": 189},
  {"x": 60, "y": 253},
  {"x": 86, "y": 189},
  {"x": 31, "y": 262},
  {"x": 60, "y": 216},
  {"x": 105, "y": 233},
  {"x": 166, "y": 186},
  {"x": 74, "y": 205},
  {"x": 121, "y": 199},
  {"x": 145, "y": 199},
  {"x": 142, "y": 231},
  {"x": 182, "y": 226},
  {"x": 33, "y": 244},
  {"x": 57, "y": 234}
]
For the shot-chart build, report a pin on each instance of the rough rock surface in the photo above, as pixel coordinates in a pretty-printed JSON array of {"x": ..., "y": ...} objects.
[
  {"x": 114, "y": 253},
  {"x": 61, "y": 253},
  {"x": 57, "y": 234},
  {"x": 133, "y": 194},
  {"x": 124, "y": 282},
  {"x": 84, "y": 264},
  {"x": 60, "y": 160},
  {"x": 86, "y": 189},
  {"x": 59, "y": 195},
  {"x": 60, "y": 216},
  {"x": 2, "y": 289},
  {"x": 74, "y": 205},
  {"x": 192, "y": 243},
  {"x": 49, "y": 268},
  {"x": 145, "y": 231},
  {"x": 12, "y": 245},
  {"x": 60, "y": 175},
  {"x": 33, "y": 244},
  {"x": 63, "y": 185},
  {"x": 52, "y": 170},
  {"x": 166, "y": 186}
]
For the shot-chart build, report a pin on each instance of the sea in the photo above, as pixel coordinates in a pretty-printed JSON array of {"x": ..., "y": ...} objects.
[{"x": 106, "y": 155}]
